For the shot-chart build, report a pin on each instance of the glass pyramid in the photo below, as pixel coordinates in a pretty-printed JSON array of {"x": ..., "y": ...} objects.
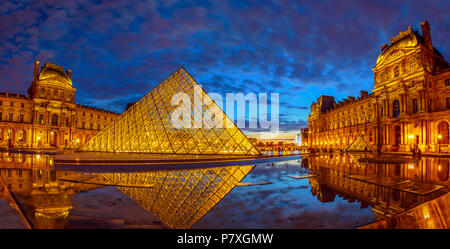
[
  {"x": 359, "y": 145},
  {"x": 146, "y": 127},
  {"x": 180, "y": 198}
]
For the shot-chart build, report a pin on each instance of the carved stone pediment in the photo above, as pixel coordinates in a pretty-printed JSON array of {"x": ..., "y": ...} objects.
[{"x": 395, "y": 54}]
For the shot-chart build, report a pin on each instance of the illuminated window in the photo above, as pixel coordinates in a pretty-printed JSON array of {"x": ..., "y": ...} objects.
[{"x": 443, "y": 136}]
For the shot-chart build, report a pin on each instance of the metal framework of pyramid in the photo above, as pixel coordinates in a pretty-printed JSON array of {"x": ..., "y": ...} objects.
[
  {"x": 180, "y": 198},
  {"x": 73, "y": 145},
  {"x": 146, "y": 126},
  {"x": 359, "y": 145}
]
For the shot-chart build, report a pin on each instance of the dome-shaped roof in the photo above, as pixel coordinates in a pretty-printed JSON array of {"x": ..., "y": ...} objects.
[{"x": 51, "y": 70}]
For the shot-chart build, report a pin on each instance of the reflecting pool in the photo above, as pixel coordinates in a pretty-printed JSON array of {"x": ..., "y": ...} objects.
[{"x": 319, "y": 191}]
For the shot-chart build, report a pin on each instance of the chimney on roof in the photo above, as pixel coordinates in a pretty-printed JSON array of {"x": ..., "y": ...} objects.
[
  {"x": 36, "y": 71},
  {"x": 383, "y": 47},
  {"x": 69, "y": 73},
  {"x": 426, "y": 34}
]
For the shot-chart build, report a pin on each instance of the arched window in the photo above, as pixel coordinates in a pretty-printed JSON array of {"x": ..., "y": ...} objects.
[
  {"x": 42, "y": 93},
  {"x": 443, "y": 137},
  {"x": 396, "y": 106},
  {"x": 54, "y": 119}
]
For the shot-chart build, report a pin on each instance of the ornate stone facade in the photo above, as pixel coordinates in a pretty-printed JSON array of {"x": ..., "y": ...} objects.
[
  {"x": 48, "y": 117},
  {"x": 409, "y": 107}
]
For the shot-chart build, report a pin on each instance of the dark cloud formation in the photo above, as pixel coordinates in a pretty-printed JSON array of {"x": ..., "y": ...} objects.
[{"x": 118, "y": 50}]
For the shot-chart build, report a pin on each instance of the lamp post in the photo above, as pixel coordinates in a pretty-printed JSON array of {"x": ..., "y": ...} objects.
[
  {"x": 410, "y": 136},
  {"x": 439, "y": 143}
]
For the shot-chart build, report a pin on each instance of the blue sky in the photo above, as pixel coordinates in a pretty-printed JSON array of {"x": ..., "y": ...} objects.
[{"x": 118, "y": 50}]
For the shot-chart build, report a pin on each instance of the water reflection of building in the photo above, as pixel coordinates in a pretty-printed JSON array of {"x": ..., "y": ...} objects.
[
  {"x": 408, "y": 107},
  {"x": 333, "y": 181},
  {"x": 181, "y": 197},
  {"x": 48, "y": 116},
  {"x": 431, "y": 215},
  {"x": 34, "y": 185}
]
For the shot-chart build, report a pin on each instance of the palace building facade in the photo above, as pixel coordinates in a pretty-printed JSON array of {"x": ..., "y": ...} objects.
[
  {"x": 48, "y": 117},
  {"x": 408, "y": 108}
]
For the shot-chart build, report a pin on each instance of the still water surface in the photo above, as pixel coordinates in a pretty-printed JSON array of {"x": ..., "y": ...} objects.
[{"x": 324, "y": 191}]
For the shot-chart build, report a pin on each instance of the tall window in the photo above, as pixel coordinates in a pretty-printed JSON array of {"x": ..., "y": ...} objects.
[
  {"x": 54, "y": 119},
  {"x": 415, "y": 106},
  {"x": 447, "y": 102},
  {"x": 447, "y": 82},
  {"x": 41, "y": 119},
  {"x": 11, "y": 117},
  {"x": 443, "y": 133},
  {"x": 21, "y": 118},
  {"x": 22, "y": 136},
  {"x": 67, "y": 122},
  {"x": 396, "y": 106},
  {"x": 412, "y": 64},
  {"x": 396, "y": 71}
]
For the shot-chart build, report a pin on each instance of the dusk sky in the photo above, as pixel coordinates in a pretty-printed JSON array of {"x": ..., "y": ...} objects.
[{"x": 119, "y": 50}]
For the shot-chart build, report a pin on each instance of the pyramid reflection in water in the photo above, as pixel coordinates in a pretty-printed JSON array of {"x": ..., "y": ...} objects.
[
  {"x": 146, "y": 127},
  {"x": 180, "y": 198}
]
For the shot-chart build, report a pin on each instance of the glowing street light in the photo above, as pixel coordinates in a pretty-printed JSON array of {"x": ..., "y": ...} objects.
[{"x": 439, "y": 142}]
